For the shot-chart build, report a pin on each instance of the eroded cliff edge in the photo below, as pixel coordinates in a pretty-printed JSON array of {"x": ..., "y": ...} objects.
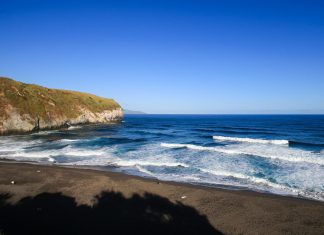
[{"x": 27, "y": 107}]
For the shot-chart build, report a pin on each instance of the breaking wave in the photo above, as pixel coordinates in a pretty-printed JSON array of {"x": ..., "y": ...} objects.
[
  {"x": 74, "y": 127},
  {"x": 250, "y": 140},
  {"x": 253, "y": 179},
  {"x": 275, "y": 154},
  {"x": 237, "y": 151},
  {"x": 127, "y": 163}
]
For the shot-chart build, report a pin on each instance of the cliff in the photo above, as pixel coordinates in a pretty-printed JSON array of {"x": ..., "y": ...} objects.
[{"x": 27, "y": 108}]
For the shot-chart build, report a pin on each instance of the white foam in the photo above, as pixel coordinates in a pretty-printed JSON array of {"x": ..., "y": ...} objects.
[
  {"x": 279, "y": 153},
  {"x": 191, "y": 178},
  {"x": 9, "y": 145},
  {"x": 201, "y": 148},
  {"x": 252, "y": 179},
  {"x": 145, "y": 171},
  {"x": 69, "y": 151},
  {"x": 49, "y": 155},
  {"x": 90, "y": 160},
  {"x": 250, "y": 140},
  {"x": 74, "y": 127},
  {"x": 194, "y": 147},
  {"x": 106, "y": 156},
  {"x": 67, "y": 140},
  {"x": 29, "y": 157},
  {"x": 224, "y": 173},
  {"x": 128, "y": 163},
  {"x": 44, "y": 132},
  {"x": 286, "y": 154},
  {"x": 108, "y": 160}
]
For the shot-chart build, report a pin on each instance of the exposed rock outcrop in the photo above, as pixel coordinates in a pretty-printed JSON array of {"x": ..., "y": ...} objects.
[{"x": 27, "y": 108}]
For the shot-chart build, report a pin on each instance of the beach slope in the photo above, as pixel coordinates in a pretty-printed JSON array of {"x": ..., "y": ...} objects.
[{"x": 56, "y": 200}]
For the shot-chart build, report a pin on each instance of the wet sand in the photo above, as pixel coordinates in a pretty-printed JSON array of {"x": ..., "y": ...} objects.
[{"x": 37, "y": 199}]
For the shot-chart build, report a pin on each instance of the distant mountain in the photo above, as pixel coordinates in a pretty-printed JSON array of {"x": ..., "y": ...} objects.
[{"x": 133, "y": 112}]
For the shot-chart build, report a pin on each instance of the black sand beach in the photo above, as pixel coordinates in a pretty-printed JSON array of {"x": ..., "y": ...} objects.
[{"x": 38, "y": 199}]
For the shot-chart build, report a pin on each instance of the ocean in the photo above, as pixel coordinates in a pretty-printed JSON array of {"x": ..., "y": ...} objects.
[{"x": 279, "y": 154}]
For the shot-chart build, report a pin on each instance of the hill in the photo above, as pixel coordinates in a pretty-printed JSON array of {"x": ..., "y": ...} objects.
[{"x": 28, "y": 107}]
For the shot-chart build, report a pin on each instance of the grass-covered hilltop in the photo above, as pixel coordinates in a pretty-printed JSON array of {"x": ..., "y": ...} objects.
[{"x": 28, "y": 107}]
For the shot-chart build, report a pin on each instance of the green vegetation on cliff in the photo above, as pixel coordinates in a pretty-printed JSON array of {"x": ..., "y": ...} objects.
[{"x": 41, "y": 102}]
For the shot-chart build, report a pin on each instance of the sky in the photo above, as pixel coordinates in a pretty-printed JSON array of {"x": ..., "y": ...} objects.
[{"x": 172, "y": 56}]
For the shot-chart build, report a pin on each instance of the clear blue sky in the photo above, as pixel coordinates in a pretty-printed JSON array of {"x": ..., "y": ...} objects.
[{"x": 172, "y": 56}]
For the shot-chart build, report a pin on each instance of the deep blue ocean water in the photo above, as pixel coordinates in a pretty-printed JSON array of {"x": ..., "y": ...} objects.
[{"x": 281, "y": 154}]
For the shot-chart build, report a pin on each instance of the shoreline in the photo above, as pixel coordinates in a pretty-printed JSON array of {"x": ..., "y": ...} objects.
[
  {"x": 226, "y": 211},
  {"x": 180, "y": 183}
]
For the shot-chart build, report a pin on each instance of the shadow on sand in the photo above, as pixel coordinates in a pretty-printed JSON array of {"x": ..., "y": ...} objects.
[{"x": 55, "y": 213}]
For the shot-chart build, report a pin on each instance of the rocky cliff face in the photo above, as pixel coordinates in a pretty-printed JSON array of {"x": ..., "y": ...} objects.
[{"x": 27, "y": 108}]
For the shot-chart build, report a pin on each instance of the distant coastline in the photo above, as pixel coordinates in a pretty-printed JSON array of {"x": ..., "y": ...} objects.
[{"x": 126, "y": 111}]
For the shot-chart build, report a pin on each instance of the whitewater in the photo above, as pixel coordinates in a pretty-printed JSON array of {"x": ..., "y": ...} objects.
[{"x": 281, "y": 154}]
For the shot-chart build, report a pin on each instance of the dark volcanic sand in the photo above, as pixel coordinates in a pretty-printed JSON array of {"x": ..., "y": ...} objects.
[{"x": 58, "y": 200}]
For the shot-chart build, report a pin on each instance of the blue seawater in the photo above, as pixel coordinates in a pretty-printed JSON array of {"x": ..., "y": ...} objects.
[{"x": 281, "y": 154}]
